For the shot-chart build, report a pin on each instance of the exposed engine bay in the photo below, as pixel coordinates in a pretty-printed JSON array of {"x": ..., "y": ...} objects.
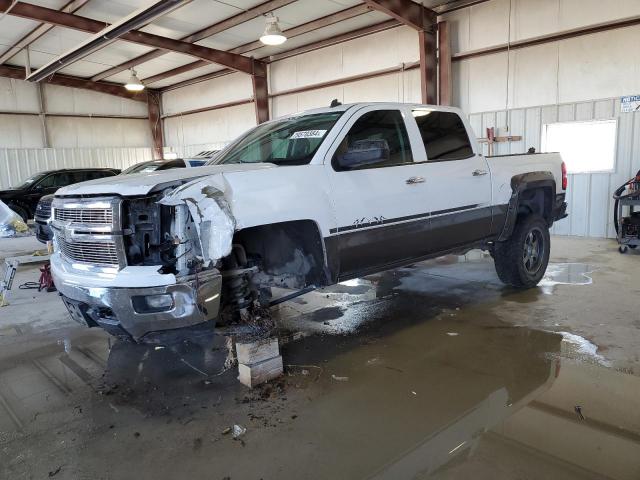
[{"x": 156, "y": 234}]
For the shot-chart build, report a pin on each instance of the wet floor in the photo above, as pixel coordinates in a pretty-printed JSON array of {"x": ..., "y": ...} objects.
[{"x": 413, "y": 373}]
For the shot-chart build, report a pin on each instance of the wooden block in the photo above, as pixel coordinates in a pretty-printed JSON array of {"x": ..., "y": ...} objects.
[
  {"x": 258, "y": 373},
  {"x": 254, "y": 352}
]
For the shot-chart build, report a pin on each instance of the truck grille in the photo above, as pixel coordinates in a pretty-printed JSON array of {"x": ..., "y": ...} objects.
[
  {"x": 93, "y": 216},
  {"x": 43, "y": 210},
  {"x": 97, "y": 253}
]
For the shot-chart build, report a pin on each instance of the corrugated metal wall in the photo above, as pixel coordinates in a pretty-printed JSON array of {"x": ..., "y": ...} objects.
[
  {"x": 588, "y": 194},
  {"x": 17, "y": 164}
]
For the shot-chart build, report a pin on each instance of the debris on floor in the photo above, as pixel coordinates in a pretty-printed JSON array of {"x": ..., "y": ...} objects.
[{"x": 238, "y": 431}]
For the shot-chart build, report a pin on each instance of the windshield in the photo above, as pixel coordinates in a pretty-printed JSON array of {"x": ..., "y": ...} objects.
[
  {"x": 30, "y": 181},
  {"x": 143, "y": 167},
  {"x": 291, "y": 141}
]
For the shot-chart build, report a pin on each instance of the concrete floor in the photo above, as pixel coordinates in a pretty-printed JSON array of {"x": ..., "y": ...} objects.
[{"x": 432, "y": 371}]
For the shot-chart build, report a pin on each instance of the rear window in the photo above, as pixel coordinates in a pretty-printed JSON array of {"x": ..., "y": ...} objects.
[{"x": 443, "y": 134}]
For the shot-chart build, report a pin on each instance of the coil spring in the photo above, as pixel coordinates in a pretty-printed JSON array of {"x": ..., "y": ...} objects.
[{"x": 239, "y": 291}]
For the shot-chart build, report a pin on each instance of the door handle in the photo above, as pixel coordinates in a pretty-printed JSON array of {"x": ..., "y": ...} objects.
[
  {"x": 479, "y": 173},
  {"x": 414, "y": 180}
]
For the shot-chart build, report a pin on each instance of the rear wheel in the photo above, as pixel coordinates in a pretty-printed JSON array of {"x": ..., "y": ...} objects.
[{"x": 521, "y": 261}]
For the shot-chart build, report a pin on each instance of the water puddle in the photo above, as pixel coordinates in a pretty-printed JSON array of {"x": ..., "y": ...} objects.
[
  {"x": 582, "y": 349},
  {"x": 566, "y": 274}
]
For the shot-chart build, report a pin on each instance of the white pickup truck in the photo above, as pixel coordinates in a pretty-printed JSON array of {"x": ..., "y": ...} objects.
[{"x": 311, "y": 199}]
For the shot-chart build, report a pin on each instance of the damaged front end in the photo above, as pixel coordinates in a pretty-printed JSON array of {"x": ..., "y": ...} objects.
[{"x": 137, "y": 266}]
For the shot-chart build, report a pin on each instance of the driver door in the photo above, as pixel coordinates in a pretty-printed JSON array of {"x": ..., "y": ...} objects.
[{"x": 378, "y": 192}]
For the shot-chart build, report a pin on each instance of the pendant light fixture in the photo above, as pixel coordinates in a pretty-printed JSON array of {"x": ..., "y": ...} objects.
[
  {"x": 134, "y": 84},
  {"x": 272, "y": 33}
]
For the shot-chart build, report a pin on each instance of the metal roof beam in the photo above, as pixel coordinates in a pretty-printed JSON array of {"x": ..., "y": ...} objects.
[
  {"x": 311, "y": 26},
  {"x": 33, "y": 12},
  {"x": 106, "y": 36},
  {"x": 345, "y": 37},
  {"x": 37, "y": 32},
  {"x": 116, "y": 89},
  {"x": 408, "y": 12},
  {"x": 221, "y": 26}
]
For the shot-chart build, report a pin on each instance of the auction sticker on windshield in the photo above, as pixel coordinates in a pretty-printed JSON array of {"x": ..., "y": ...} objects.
[{"x": 308, "y": 134}]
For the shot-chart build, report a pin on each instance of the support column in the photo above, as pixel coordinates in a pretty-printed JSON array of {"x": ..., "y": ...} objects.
[
  {"x": 155, "y": 122},
  {"x": 444, "y": 65},
  {"x": 260, "y": 92},
  {"x": 428, "y": 66}
]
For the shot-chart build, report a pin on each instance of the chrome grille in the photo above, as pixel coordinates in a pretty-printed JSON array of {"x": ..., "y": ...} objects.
[
  {"x": 43, "y": 210},
  {"x": 97, "y": 253},
  {"x": 93, "y": 216}
]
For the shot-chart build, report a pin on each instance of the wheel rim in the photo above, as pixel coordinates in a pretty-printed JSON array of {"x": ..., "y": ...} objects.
[{"x": 533, "y": 253}]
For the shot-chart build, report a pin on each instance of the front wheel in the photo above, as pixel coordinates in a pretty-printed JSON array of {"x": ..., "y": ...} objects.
[{"x": 521, "y": 261}]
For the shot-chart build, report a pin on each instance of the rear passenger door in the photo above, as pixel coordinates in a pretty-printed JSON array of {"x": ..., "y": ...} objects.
[
  {"x": 458, "y": 180},
  {"x": 378, "y": 192}
]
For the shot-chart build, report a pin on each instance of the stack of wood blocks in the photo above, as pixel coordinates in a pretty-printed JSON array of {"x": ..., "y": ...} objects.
[{"x": 258, "y": 361}]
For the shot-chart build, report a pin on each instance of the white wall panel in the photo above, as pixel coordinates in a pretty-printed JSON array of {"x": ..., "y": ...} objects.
[
  {"x": 578, "y": 13},
  {"x": 534, "y": 76},
  {"x": 486, "y": 83},
  {"x": 489, "y": 24},
  {"x": 74, "y": 100},
  {"x": 573, "y": 70},
  {"x": 17, "y": 164},
  {"x": 18, "y": 96},
  {"x": 534, "y": 18},
  {"x": 212, "y": 127},
  {"x": 599, "y": 66},
  {"x": 394, "y": 87},
  {"x": 387, "y": 49},
  {"x": 229, "y": 88},
  {"x": 21, "y": 131},
  {"x": 98, "y": 132},
  {"x": 589, "y": 195}
]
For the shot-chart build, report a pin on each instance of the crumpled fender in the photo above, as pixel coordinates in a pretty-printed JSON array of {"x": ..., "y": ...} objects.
[{"x": 211, "y": 214}]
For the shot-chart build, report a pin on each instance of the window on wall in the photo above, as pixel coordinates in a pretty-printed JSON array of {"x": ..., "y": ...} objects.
[{"x": 585, "y": 146}]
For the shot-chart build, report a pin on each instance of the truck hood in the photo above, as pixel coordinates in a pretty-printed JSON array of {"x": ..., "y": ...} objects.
[{"x": 143, "y": 183}]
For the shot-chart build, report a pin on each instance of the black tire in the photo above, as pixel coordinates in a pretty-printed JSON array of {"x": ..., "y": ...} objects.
[
  {"x": 24, "y": 214},
  {"x": 521, "y": 261}
]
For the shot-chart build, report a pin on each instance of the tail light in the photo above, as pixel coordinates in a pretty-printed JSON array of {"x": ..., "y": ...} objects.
[{"x": 564, "y": 176}]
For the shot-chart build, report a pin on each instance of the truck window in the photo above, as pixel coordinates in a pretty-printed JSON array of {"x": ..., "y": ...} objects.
[
  {"x": 443, "y": 134},
  {"x": 61, "y": 179},
  {"x": 290, "y": 141},
  {"x": 377, "y": 139}
]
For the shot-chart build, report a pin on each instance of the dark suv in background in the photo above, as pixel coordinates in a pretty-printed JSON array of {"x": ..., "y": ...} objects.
[{"x": 23, "y": 198}]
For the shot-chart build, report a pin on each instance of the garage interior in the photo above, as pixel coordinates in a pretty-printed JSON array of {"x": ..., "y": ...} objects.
[{"x": 433, "y": 370}]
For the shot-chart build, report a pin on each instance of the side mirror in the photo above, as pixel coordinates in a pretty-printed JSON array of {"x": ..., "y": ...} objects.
[{"x": 363, "y": 153}]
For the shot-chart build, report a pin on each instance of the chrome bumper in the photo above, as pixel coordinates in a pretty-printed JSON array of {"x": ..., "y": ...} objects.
[{"x": 195, "y": 300}]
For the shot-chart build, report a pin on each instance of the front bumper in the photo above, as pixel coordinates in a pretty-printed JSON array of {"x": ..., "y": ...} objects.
[
  {"x": 196, "y": 300},
  {"x": 43, "y": 231}
]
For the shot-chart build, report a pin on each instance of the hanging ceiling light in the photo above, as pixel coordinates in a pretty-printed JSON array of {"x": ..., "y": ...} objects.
[
  {"x": 272, "y": 34},
  {"x": 134, "y": 84}
]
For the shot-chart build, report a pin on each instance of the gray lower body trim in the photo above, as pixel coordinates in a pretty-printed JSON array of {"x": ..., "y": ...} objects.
[{"x": 366, "y": 250}]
